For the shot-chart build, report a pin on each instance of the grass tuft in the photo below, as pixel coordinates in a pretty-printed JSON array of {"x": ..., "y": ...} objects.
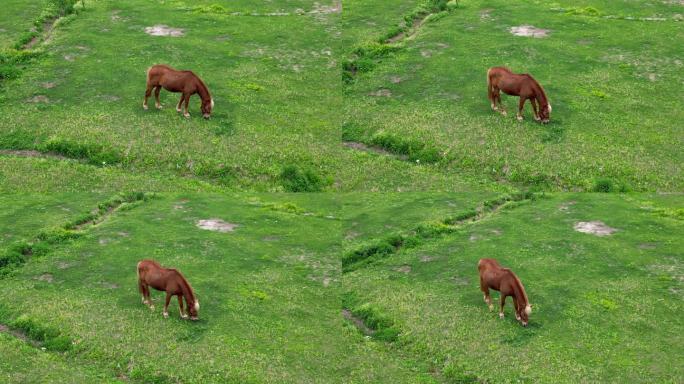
[{"x": 295, "y": 179}]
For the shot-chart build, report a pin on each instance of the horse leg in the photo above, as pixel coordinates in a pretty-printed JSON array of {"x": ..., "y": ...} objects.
[
  {"x": 148, "y": 92},
  {"x": 180, "y": 305},
  {"x": 485, "y": 291},
  {"x": 503, "y": 301},
  {"x": 535, "y": 109},
  {"x": 187, "y": 101},
  {"x": 498, "y": 100},
  {"x": 146, "y": 296},
  {"x": 515, "y": 305},
  {"x": 180, "y": 102},
  {"x": 156, "y": 97},
  {"x": 521, "y": 104},
  {"x": 166, "y": 305}
]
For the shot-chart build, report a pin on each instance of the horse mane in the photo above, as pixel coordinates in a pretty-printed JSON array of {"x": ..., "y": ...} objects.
[
  {"x": 185, "y": 284},
  {"x": 203, "y": 87},
  {"x": 519, "y": 288},
  {"x": 541, "y": 89}
]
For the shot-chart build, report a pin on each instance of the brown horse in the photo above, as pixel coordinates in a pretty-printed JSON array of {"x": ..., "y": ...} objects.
[
  {"x": 493, "y": 276},
  {"x": 185, "y": 82},
  {"x": 523, "y": 85},
  {"x": 152, "y": 274}
]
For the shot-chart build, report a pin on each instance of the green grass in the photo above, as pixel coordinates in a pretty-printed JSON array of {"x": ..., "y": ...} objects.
[{"x": 604, "y": 308}]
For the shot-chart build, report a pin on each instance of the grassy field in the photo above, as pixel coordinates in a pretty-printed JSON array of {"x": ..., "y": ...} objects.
[
  {"x": 605, "y": 309},
  {"x": 610, "y": 82},
  {"x": 269, "y": 293}
]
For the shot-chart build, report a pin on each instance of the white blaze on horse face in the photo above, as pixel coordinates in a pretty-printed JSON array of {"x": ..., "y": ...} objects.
[
  {"x": 196, "y": 305},
  {"x": 549, "y": 107},
  {"x": 212, "y": 103},
  {"x": 501, "y": 315},
  {"x": 528, "y": 309}
]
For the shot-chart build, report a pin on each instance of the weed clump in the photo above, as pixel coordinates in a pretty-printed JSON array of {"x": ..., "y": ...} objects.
[
  {"x": 50, "y": 338},
  {"x": 604, "y": 185},
  {"x": 295, "y": 179},
  {"x": 415, "y": 150},
  {"x": 95, "y": 154}
]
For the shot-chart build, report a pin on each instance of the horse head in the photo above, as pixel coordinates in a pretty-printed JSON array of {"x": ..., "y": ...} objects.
[
  {"x": 194, "y": 310},
  {"x": 524, "y": 314},
  {"x": 545, "y": 113},
  {"x": 207, "y": 106}
]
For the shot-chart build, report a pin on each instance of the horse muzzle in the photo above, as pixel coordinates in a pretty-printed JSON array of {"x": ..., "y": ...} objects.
[
  {"x": 206, "y": 115},
  {"x": 194, "y": 318},
  {"x": 545, "y": 121}
]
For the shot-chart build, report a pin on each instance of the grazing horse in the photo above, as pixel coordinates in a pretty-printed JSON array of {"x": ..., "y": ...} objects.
[
  {"x": 185, "y": 82},
  {"x": 151, "y": 274},
  {"x": 523, "y": 85},
  {"x": 493, "y": 276}
]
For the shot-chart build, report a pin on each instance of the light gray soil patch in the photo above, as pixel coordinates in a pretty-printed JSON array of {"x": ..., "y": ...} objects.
[
  {"x": 597, "y": 228},
  {"x": 565, "y": 207},
  {"x": 64, "y": 265},
  {"x": 351, "y": 235},
  {"x": 460, "y": 280},
  {"x": 69, "y": 57},
  {"x": 426, "y": 53},
  {"x": 529, "y": 31},
  {"x": 395, "y": 79},
  {"x": 347, "y": 314},
  {"x": 497, "y": 232},
  {"x": 19, "y": 335},
  {"x": 48, "y": 84},
  {"x": 485, "y": 14},
  {"x": 403, "y": 269},
  {"x": 216, "y": 225},
  {"x": 31, "y": 153},
  {"x": 584, "y": 42},
  {"x": 223, "y": 38},
  {"x": 382, "y": 92},
  {"x": 474, "y": 237},
  {"x": 336, "y": 7},
  {"x": 270, "y": 238},
  {"x": 104, "y": 241},
  {"x": 426, "y": 258},
  {"x": 109, "y": 97},
  {"x": 39, "y": 99},
  {"x": 164, "y": 30},
  {"x": 647, "y": 246},
  {"x": 109, "y": 285},
  {"x": 47, "y": 277}
]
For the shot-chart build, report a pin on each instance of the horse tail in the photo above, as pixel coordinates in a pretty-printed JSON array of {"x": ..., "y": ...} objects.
[{"x": 489, "y": 79}]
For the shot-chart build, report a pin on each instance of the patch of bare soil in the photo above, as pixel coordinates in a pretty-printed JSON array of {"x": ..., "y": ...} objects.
[
  {"x": 109, "y": 285},
  {"x": 529, "y": 31},
  {"x": 38, "y": 99},
  {"x": 597, "y": 228},
  {"x": 270, "y": 238},
  {"x": 382, "y": 92},
  {"x": 30, "y": 153},
  {"x": 70, "y": 57},
  {"x": 48, "y": 84},
  {"x": 164, "y": 30},
  {"x": 223, "y": 38},
  {"x": 395, "y": 79},
  {"x": 565, "y": 207},
  {"x": 647, "y": 246},
  {"x": 368, "y": 148},
  {"x": 351, "y": 235},
  {"x": 19, "y": 335},
  {"x": 426, "y": 53},
  {"x": 347, "y": 314},
  {"x": 403, "y": 269},
  {"x": 485, "y": 14},
  {"x": 64, "y": 265},
  {"x": 336, "y": 7},
  {"x": 426, "y": 258},
  {"x": 47, "y": 277},
  {"x": 460, "y": 280},
  {"x": 216, "y": 225}
]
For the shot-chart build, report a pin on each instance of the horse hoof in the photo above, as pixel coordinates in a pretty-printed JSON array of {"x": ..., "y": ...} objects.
[
  {"x": 178, "y": 110},
  {"x": 501, "y": 315},
  {"x": 504, "y": 113},
  {"x": 145, "y": 107},
  {"x": 151, "y": 307},
  {"x": 159, "y": 106},
  {"x": 187, "y": 115},
  {"x": 520, "y": 118},
  {"x": 184, "y": 316},
  {"x": 491, "y": 307},
  {"x": 166, "y": 315}
]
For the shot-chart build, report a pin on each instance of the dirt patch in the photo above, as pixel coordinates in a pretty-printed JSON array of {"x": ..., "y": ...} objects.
[
  {"x": 31, "y": 153},
  {"x": 426, "y": 258},
  {"x": 529, "y": 31},
  {"x": 486, "y": 14},
  {"x": 48, "y": 84},
  {"x": 19, "y": 335},
  {"x": 223, "y": 38},
  {"x": 70, "y": 57},
  {"x": 216, "y": 225},
  {"x": 109, "y": 285},
  {"x": 64, "y": 265},
  {"x": 584, "y": 42},
  {"x": 270, "y": 238},
  {"x": 351, "y": 235},
  {"x": 47, "y": 277},
  {"x": 497, "y": 232},
  {"x": 403, "y": 269},
  {"x": 368, "y": 148},
  {"x": 395, "y": 79},
  {"x": 565, "y": 207},
  {"x": 336, "y": 7},
  {"x": 382, "y": 92},
  {"x": 426, "y": 53},
  {"x": 109, "y": 97},
  {"x": 459, "y": 280},
  {"x": 347, "y": 314},
  {"x": 164, "y": 30},
  {"x": 474, "y": 237},
  {"x": 597, "y": 228},
  {"x": 647, "y": 246},
  {"x": 38, "y": 99}
]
